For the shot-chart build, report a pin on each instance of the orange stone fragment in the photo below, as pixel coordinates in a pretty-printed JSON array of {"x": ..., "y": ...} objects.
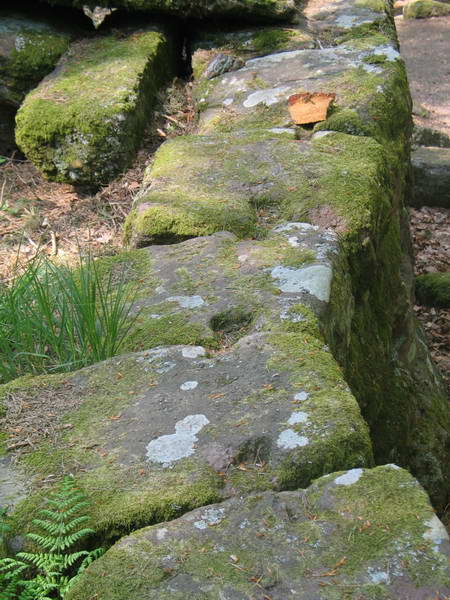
[{"x": 309, "y": 108}]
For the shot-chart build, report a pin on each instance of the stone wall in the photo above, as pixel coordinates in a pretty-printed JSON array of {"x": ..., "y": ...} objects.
[{"x": 275, "y": 348}]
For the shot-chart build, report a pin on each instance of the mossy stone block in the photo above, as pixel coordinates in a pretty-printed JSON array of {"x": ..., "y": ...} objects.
[
  {"x": 361, "y": 533},
  {"x": 422, "y": 9},
  {"x": 84, "y": 122},
  {"x": 244, "y": 183},
  {"x": 431, "y": 170},
  {"x": 433, "y": 289},
  {"x": 29, "y": 50}
]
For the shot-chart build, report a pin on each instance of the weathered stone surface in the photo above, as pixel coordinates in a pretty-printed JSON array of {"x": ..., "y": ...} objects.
[
  {"x": 185, "y": 425},
  {"x": 366, "y": 83},
  {"x": 243, "y": 182},
  {"x": 84, "y": 122},
  {"x": 253, "y": 10},
  {"x": 336, "y": 17},
  {"x": 248, "y": 158},
  {"x": 29, "y": 50},
  {"x": 240, "y": 46},
  {"x": 431, "y": 169},
  {"x": 433, "y": 289},
  {"x": 424, "y": 136},
  {"x": 359, "y": 534},
  {"x": 421, "y": 9}
]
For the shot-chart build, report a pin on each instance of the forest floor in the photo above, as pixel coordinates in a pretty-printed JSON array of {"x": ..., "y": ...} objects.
[{"x": 60, "y": 220}]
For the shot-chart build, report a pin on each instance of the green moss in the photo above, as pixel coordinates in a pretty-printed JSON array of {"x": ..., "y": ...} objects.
[
  {"x": 433, "y": 289},
  {"x": 375, "y": 5},
  {"x": 167, "y": 330},
  {"x": 421, "y": 9},
  {"x": 35, "y": 55},
  {"x": 89, "y": 136}
]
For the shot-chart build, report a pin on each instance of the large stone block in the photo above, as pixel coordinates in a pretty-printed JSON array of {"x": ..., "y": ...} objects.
[
  {"x": 84, "y": 122},
  {"x": 359, "y": 534},
  {"x": 29, "y": 49},
  {"x": 431, "y": 169},
  {"x": 260, "y": 405}
]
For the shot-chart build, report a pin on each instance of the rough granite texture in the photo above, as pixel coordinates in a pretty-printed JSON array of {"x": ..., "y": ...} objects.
[
  {"x": 250, "y": 169},
  {"x": 357, "y": 534},
  {"x": 84, "y": 122}
]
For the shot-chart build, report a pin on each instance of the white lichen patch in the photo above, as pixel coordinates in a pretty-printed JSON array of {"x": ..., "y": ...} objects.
[
  {"x": 297, "y": 417},
  {"x": 348, "y": 478},
  {"x": 301, "y": 396},
  {"x": 271, "y": 59},
  {"x": 193, "y": 351},
  {"x": 211, "y": 517},
  {"x": 165, "y": 367},
  {"x": 436, "y": 532},
  {"x": 188, "y": 386},
  {"x": 267, "y": 96},
  {"x": 161, "y": 533},
  {"x": 290, "y": 439},
  {"x": 295, "y": 226},
  {"x": 315, "y": 279},
  {"x": 378, "y": 576},
  {"x": 187, "y": 301},
  {"x": 389, "y": 52},
  {"x": 167, "y": 449}
]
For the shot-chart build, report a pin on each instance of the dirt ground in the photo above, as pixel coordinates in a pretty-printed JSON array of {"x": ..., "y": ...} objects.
[
  {"x": 59, "y": 219},
  {"x": 425, "y": 48}
]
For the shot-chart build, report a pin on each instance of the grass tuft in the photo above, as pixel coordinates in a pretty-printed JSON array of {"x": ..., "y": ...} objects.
[{"x": 54, "y": 319}]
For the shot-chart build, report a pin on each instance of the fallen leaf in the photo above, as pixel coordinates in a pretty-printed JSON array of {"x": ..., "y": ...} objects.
[{"x": 309, "y": 108}]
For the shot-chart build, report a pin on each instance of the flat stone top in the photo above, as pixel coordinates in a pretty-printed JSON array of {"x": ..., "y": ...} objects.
[
  {"x": 185, "y": 424},
  {"x": 364, "y": 533}
]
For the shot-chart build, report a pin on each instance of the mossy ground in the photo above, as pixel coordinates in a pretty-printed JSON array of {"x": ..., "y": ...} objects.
[{"x": 433, "y": 289}]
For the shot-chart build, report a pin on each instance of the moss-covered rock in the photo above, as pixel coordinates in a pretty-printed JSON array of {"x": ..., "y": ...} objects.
[
  {"x": 184, "y": 425},
  {"x": 245, "y": 182},
  {"x": 355, "y": 18},
  {"x": 84, "y": 122},
  {"x": 431, "y": 170},
  {"x": 253, "y": 10},
  {"x": 210, "y": 47},
  {"x": 359, "y": 534},
  {"x": 433, "y": 289},
  {"x": 421, "y": 9},
  {"x": 29, "y": 50},
  {"x": 425, "y": 136}
]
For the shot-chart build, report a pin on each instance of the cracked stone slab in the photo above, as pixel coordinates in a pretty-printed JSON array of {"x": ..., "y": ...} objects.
[
  {"x": 205, "y": 428},
  {"x": 365, "y": 533},
  {"x": 338, "y": 16}
]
